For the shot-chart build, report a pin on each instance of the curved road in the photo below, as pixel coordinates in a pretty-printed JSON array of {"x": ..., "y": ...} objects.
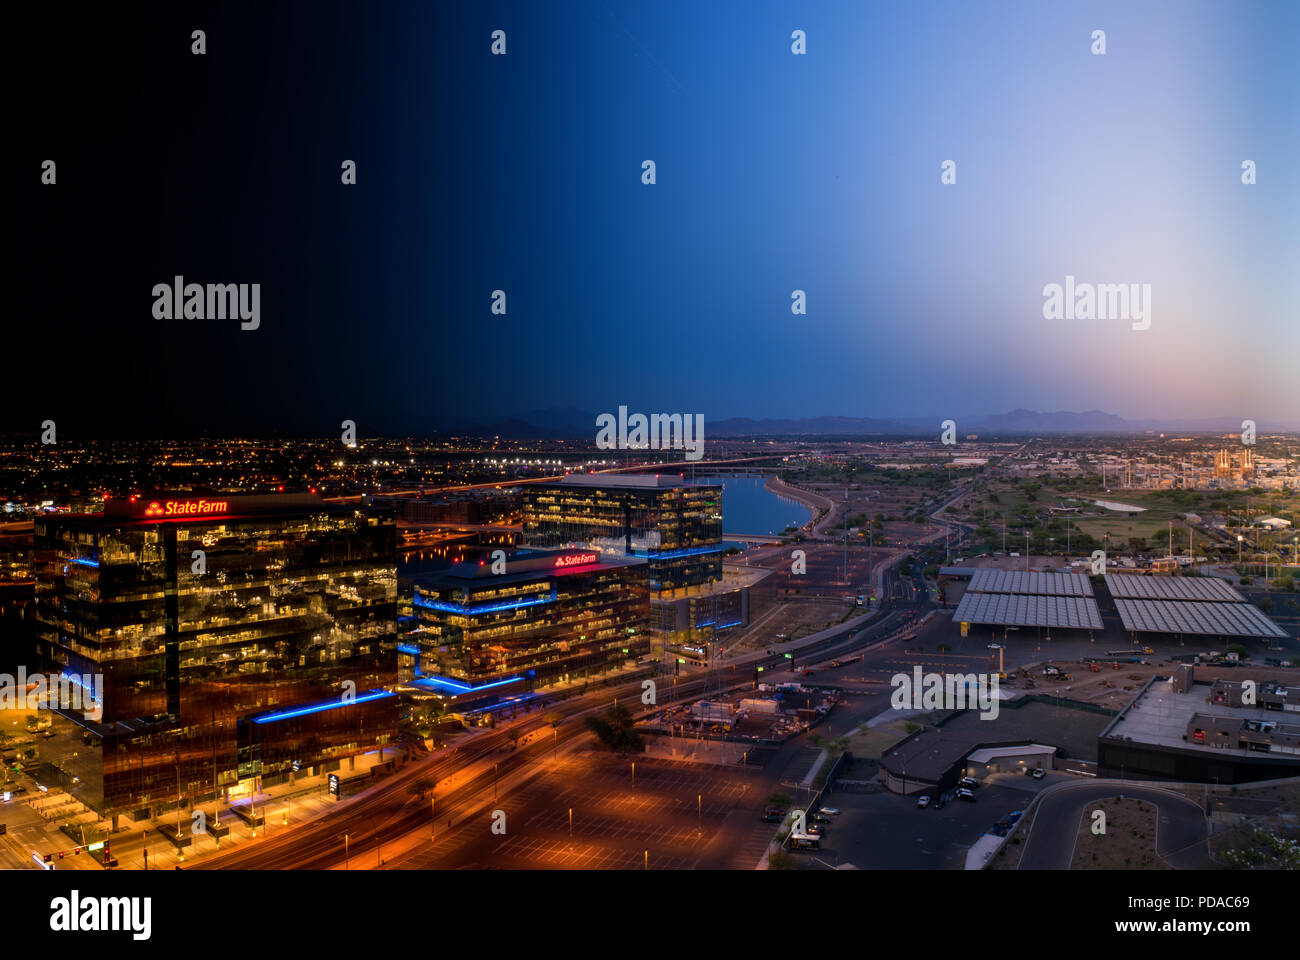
[{"x": 1180, "y": 824}]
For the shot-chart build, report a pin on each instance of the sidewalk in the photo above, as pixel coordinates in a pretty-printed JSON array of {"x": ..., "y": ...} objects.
[{"x": 302, "y": 798}]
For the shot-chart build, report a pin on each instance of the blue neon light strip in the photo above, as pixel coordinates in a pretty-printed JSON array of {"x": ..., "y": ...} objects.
[
  {"x": 82, "y": 562},
  {"x": 733, "y": 623},
  {"x": 512, "y": 702},
  {"x": 470, "y": 610},
  {"x": 458, "y": 687},
  {"x": 75, "y": 680},
  {"x": 408, "y": 648},
  {"x": 706, "y": 623},
  {"x": 674, "y": 554},
  {"x": 327, "y": 705}
]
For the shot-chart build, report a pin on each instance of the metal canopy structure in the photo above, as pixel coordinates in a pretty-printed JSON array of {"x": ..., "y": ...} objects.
[
  {"x": 1182, "y": 616},
  {"x": 1209, "y": 589},
  {"x": 1026, "y": 583},
  {"x": 1005, "y": 609}
]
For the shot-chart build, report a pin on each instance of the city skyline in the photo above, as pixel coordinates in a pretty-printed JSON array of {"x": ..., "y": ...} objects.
[{"x": 524, "y": 439}]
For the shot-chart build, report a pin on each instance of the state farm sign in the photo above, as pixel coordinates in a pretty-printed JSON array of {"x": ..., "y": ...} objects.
[
  {"x": 576, "y": 560},
  {"x": 186, "y": 508}
]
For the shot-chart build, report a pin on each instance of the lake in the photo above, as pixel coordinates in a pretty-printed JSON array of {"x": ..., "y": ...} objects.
[{"x": 748, "y": 507}]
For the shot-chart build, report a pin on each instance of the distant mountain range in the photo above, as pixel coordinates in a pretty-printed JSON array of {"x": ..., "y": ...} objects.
[{"x": 577, "y": 424}]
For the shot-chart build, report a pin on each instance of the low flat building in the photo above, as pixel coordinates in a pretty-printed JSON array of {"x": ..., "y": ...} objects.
[
  {"x": 930, "y": 762},
  {"x": 1167, "y": 735},
  {"x": 1234, "y": 733},
  {"x": 1013, "y": 759}
]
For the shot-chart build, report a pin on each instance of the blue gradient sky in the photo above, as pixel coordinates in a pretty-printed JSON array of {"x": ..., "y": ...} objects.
[
  {"x": 775, "y": 172},
  {"x": 821, "y": 172}
]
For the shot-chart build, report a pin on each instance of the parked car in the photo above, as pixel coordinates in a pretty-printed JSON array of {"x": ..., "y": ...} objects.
[
  {"x": 964, "y": 794},
  {"x": 1038, "y": 773},
  {"x": 1014, "y": 817},
  {"x": 815, "y": 830},
  {"x": 833, "y": 811},
  {"x": 773, "y": 814},
  {"x": 820, "y": 818},
  {"x": 923, "y": 801},
  {"x": 938, "y": 804},
  {"x": 969, "y": 783}
]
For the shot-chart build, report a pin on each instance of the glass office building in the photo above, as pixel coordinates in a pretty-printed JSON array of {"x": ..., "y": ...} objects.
[
  {"x": 232, "y": 638},
  {"x": 538, "y": 616},
  {"x": 675, "y": 526}
]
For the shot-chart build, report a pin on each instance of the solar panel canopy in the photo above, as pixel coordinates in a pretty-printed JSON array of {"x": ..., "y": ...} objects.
[
  {"x": 1006, "y": 609},
  {"x": 988, "y": 580},
  {"x": 1182, "y": 616},
  {"x": 1209, "y": 589}
]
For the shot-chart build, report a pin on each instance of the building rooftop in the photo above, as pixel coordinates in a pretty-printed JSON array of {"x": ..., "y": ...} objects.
[
  {"x": 525, "y": 565},
  {"x": 1159, "y": 716},
  {"x": 1208, "y": 589},
  {"x": 198, "y": 507},
  {"x": 926, "y": 756},
  {"x": 1197, "y": 617},
  {"x": 734, "y": 577},
  {"x": 1022, "y": 582}
]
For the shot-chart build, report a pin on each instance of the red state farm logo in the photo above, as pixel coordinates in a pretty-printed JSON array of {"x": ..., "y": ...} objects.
[
  {"x": 576, "y": 559},
  {"x": 186, "y": 508}
]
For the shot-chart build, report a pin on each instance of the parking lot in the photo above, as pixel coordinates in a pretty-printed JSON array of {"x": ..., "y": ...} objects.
[
  {"x": 883, "y": 831},
  {"x": 588, "y": 812}
]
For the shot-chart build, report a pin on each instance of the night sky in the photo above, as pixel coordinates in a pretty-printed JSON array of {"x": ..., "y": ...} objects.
[{"x": 522, "y": 173}]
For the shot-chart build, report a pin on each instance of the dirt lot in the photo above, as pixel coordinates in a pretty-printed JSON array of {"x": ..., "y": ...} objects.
[
  {"x": 1129, "y": 842},
  {"x": 824, "y": 568},
  {"x": 797, "y": 618},
  {"x": 1091, "y": 687}
]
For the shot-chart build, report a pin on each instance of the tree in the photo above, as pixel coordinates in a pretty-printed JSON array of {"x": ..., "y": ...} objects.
[
  {"x": 422, "y": 787},
  {"x": 615, "y": 731}
]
